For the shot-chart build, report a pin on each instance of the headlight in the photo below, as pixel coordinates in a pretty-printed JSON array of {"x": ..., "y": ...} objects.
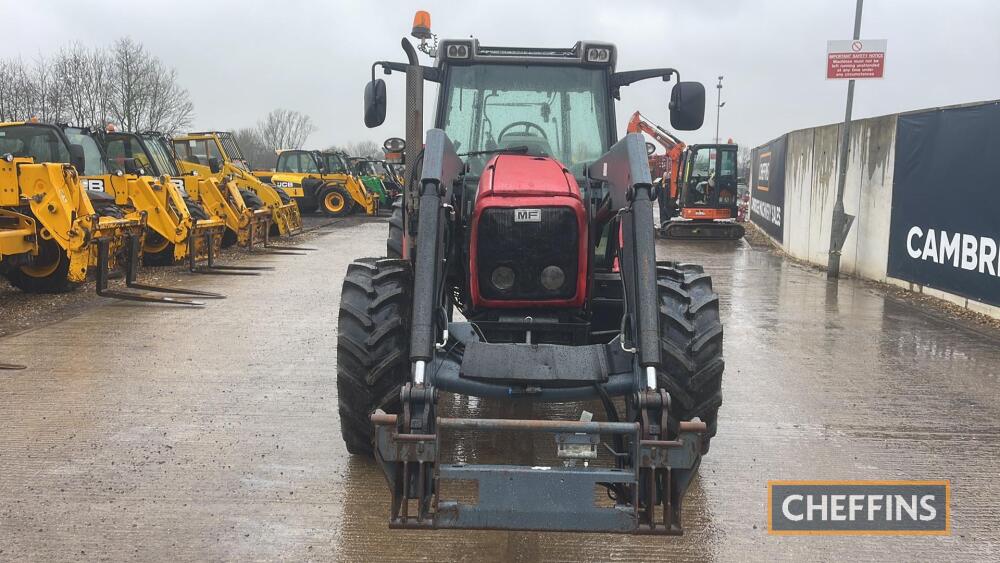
[
  {"x": 502, "y": 278},
  {"x": 598, "y": 55},
  {"x": 553, "y": 278},
  {"x": 457, "y": 51}
]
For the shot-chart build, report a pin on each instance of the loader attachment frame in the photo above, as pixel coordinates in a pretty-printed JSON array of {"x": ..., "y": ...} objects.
[{"x": 541, "y": 498}]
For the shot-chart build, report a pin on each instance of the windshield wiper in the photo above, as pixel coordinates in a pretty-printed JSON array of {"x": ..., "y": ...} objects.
[{"x": 521, "y": 149}]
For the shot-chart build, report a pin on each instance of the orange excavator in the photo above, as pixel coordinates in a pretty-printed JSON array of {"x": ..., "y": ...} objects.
[{"x": 696, "y": 184}]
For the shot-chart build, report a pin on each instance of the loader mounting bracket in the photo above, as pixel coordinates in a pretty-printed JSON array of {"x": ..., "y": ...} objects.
[{"x": 649, "y": 483}]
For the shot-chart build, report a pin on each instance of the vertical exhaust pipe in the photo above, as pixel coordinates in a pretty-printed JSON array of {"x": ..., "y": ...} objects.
[{"x": 414, "y": 135}]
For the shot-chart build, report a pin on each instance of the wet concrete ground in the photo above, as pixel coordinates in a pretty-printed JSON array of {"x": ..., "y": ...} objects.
[{"x": 171, "y": 434}]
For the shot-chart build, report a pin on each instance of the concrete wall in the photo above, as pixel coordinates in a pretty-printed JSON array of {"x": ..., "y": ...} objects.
[{"x": 811, "y": 169}]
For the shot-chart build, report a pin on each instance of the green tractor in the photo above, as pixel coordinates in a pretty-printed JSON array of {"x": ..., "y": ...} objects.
[{"x": 379, "y": 178}]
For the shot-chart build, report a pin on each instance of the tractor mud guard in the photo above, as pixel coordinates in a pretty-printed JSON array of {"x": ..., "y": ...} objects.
[
  {"x": 132, "y": 245},
  {"x": 681, "y": 229},
  {"x": 539, "y": 498}
]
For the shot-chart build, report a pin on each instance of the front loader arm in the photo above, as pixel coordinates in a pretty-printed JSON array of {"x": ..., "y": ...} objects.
[
  {"x": 625, "y": 169},
  {"x": 441, "y": 167}
]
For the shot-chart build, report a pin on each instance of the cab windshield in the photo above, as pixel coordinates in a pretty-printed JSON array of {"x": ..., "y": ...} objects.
[
  {"x": 94, "y": 163},
  {"x": 39, "y": 142},
  {"x": 549, "y": 110},
  {"x": 161, "y": 159}
]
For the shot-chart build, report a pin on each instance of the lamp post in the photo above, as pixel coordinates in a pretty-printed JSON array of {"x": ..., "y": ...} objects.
[
  {"x": 841, "y": 222},
  {"x": 718, "y": 108}
]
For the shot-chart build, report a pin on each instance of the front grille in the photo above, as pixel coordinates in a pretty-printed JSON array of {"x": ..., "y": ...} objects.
[{"x": 527, "y": 248}]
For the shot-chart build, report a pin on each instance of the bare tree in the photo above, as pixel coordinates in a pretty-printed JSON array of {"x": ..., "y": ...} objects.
[
  {"x": 145, "y": 93},
  {"x": 83, "y": 74},
  {"x": 83, "y": 86},
  {"x": 285, "y": 129},
  {"x": 16, "y": 91},
  {"x": 260, "y": 156},
  {"x": 365, "y": 149}
]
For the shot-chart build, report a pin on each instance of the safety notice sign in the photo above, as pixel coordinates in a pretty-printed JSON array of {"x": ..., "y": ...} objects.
[{"x": 857, "y": 58}]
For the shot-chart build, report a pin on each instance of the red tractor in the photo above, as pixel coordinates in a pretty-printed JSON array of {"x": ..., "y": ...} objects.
[{"x": 522, "y": 212}]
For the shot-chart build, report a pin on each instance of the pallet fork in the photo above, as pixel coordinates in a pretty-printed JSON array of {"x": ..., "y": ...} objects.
[
  {"x": 132, "y": 244},
  {"x": 279, "y": 249},
  {"x": 209, "y": 267}
]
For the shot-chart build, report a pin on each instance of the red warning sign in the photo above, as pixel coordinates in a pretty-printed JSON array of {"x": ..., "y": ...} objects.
[{"x": 855, "y": 59}]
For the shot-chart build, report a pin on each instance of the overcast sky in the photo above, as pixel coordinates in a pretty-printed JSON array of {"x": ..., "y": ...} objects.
[{"x": 241, "y": 59}]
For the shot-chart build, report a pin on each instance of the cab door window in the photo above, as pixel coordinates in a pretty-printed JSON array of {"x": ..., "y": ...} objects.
[
  {"x": 307, "y": 164},
  {"x": 193, "y": 151}
]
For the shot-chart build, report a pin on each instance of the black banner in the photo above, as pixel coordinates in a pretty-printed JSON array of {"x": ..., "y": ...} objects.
[
  {"x": 767, "y": 188},
  {"x": 945, "y": 231}
]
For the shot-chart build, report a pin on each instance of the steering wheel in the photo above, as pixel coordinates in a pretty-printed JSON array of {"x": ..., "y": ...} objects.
[{"x": 527, "y": 127}]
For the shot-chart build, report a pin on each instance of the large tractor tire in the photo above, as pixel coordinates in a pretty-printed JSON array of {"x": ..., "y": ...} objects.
[
  {"x": 47, "y": 273},
  {"x": 334, "y": 201},
  {"x": 372, "y": 345},
  {"x": 690, "y": 344},
  {"x": 394, "y": 246}
]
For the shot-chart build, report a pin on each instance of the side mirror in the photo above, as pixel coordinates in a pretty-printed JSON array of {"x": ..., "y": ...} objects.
[
  {"x": 375, "y": 103},
  {"x": 650, "y": 149},
  {"x": 687, "y": 106},
  {"x": 77, "y": 159},
  {"x": 213, "y": 165}
]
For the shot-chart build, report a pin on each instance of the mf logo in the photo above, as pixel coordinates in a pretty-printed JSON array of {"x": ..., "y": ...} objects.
[
  {"x": 527, "y": 215},
  {"x": 94, "y": 185}
]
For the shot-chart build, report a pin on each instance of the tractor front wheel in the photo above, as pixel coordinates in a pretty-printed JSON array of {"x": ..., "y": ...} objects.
[
  {"x": 334, "y": 201},
  {"x": 690, "y": 344},
  {"x": 372, "y": 345}
]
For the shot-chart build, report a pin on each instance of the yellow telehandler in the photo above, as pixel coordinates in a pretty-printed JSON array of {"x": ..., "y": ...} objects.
[
  {"x": 176, "y": 228},
  {"x": 320, "y": 180},
  {"x": 149, "y": 158},
  {"x": 245, "y": 226},
  {"x": 60, "y": 238},
  {"x": 216, "y": 154}
]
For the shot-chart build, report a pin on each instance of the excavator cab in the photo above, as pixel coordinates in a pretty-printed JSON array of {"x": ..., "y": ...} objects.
[{"x": 706, "y": 194}]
